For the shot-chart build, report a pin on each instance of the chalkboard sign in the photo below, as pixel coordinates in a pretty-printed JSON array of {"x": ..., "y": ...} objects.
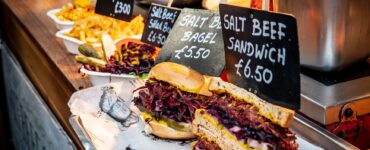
[
  {"x": 119, "y": 9},
  {"x": 159, "y": 24},
  {"x": 196, "y": 41},
  {"x": 262, "y": 53}
]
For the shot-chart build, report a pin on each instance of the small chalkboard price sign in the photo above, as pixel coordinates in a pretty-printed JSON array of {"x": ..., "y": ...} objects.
[
  {"x": 119, "y": 9},
  {"x": 159, "y": 24},
  {"x": 196, "y": 41},
  {"x": 262, "y": 53}
]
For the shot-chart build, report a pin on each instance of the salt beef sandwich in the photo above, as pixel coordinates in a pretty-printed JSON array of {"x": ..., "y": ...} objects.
[
  {"x": 169, "y": 99},
  {"x": 236, "y": 119}
]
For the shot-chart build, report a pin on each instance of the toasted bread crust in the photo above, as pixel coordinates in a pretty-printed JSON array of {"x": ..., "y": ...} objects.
[
  {"x": 169, "y": 133},
  {"x": 210, "y": 128},
  {"x": 204, "y": 89},
  {"x": 241, "y": 3},
  {"x": 213, "y": 4},
  {"x": 180, "y": 76},
  {"x": 279, "y": 115},
  {"x": 210, "y": 4}
]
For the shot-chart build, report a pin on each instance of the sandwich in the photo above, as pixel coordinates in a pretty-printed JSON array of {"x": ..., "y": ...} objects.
[
  {"x": 179, "y": 103},
  {"x": 126, "y": 56},
  {"x": 236, "y": 119},
  {"x": 169, "y": 99}
]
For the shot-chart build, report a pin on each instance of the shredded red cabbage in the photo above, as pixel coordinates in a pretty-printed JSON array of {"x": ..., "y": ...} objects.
[
  {"x": 235, "y": 114},
  {"x": 137, "y": 59},
  {"x": 162, "y": 99}
]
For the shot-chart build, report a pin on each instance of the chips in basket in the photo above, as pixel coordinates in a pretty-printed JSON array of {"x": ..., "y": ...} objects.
[
  {"x": 90, "y": 29},
  {"x": 72, "y": 12}
]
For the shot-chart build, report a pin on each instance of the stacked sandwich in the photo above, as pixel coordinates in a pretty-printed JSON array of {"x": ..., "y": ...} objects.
[
  {"x": 169, "y": 99},
  {"x": 180, "y": 103},
  {"x": 236, "y": 119}
]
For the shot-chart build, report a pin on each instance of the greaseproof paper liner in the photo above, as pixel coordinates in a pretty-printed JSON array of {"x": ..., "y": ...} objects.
[{"x": 111, "y": 121}]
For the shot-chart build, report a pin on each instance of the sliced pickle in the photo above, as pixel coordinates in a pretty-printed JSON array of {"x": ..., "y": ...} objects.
[
  {"x": 88, "y": 51},
  {"x": 81, "y": 59},
  {"x": 176, "y": 125},
  {"x": 90, "y": 61}
]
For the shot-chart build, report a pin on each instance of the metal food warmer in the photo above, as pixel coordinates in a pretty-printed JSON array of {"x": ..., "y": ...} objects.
[{"x": 334, "y": 43}]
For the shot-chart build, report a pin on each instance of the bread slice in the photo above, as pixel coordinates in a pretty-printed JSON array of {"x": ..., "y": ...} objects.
[
  {"x": 179, "y": 76},
  {"x": 213, "y": 4},
  {"x": 210, "y": 4},
  {"x": 162, "y": 130},
  {"x": 240, "y": 3},
  {"x": 208, "y": 127},
  {"x": 279, "y": 115}
]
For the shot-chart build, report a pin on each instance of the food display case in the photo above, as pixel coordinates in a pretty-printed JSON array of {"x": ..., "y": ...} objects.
[{"x": 69, "y": 62}]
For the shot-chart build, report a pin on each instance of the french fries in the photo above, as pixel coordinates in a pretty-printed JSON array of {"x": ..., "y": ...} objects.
[
  {"x": 70, "y": 12},
  {"x": 90, "y": 29}
]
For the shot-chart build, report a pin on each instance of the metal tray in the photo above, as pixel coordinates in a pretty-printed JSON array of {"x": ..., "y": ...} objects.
[
  {"x": 323, "y": 103},
  {"x": 86, "y": 104},
  {"x": 304, "y": 128},
  {"x": 317, "y": 135},
  {"x": 332, "y": 34}
]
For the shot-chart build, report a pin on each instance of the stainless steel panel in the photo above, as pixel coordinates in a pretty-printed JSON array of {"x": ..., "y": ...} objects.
[
  {"x": 332, "y": 33},
  {"x": 322, "y": 103},
  {"x": 33, "y": 125},
  {"x": 318, "y": 135}
]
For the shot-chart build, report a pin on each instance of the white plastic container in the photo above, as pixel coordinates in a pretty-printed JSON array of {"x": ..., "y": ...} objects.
[
  {"x": 60, "y": 24},
  {"x": 99, "y": 78},
  {"x": 72, "y": 43}
]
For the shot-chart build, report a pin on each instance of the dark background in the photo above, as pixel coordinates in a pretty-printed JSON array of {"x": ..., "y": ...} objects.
[{"x": 5, "y": 137}]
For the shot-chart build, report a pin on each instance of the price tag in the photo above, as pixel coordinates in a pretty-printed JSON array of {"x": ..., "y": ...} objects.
[
  {"x": 196, "y": 41},
  {"x": 262, "y": 53},
  {"x": 159, "y": 24},
  {"x": 119, "y": 9}
]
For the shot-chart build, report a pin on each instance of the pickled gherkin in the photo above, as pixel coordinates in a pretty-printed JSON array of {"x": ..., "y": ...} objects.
[
  {"x": 90, "y": 61},
  {"x": 185, "y": 127},
  {"x": 88, "y": 51}
]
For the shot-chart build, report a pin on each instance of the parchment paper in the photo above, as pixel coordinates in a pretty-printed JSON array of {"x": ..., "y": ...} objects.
[{"x": 95, "y": 107}]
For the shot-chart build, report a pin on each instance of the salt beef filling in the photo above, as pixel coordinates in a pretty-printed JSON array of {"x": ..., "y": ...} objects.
[
  {"x": 243, "y": 120},
  {"x": 204, "y": 144},
  {"x": 240, "y": 118},
  {"x": 162, "y": 99}
]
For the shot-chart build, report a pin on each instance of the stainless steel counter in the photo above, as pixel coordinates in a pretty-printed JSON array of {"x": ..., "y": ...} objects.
[{"x": 323, "y": 103}]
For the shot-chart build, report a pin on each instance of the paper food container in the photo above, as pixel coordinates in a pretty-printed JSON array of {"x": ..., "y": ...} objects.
[
  {"x": 60, "y": 24},
  {"x": 99, "y": 78},
  {"x": 71, "y": 43},
  {"x": 93, "y": 112}
]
